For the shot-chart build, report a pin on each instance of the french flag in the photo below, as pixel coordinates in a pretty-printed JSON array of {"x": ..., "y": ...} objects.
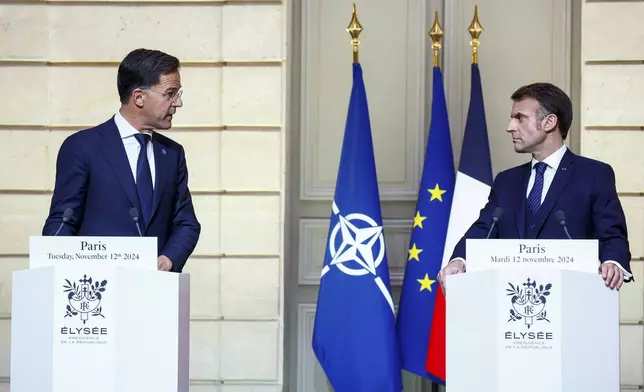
[{"x": 471, "y": 191}]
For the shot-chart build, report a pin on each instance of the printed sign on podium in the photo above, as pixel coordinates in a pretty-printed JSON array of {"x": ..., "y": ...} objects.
[
  {"x": 534, "y": 322},
  {"x": 575, "y": 255},
  {"x": 131, "y": 252},
  {"x": 93, "y": 313}
]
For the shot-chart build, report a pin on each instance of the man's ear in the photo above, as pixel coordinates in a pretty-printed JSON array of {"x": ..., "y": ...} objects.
[
  {"x": 137, "y": 97},
  {"x": 549, "y": 123}
]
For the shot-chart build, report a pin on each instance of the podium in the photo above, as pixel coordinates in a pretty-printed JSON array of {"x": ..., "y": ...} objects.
[
  {"x": 93, "y": 313},
  {"x": 531, "y": 316}
]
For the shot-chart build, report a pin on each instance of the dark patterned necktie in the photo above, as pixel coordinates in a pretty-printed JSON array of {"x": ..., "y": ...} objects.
[
  {"x": 534, "y": 198},
  {"x": 144, "y": 177}
]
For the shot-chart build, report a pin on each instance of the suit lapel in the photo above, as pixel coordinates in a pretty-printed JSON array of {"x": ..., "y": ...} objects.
[
  {"x": 114, "y": 153},
  {"x": 161, "y": 163},
  {"x": 559, "y": 182},
  {"x": 520, "y": 215}
]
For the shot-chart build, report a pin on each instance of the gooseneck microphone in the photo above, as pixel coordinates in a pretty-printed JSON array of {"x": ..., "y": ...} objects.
[
  {"x": 134, "y": 213},
  {"x": 561, "y": 217},
  {"x": 67, "y": 215},
  {"x": 498, "y": 211}
]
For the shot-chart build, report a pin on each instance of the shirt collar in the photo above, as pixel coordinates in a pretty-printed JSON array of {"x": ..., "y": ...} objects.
[
  {"x": 124, "y": 127},
  {"x": 553, "y": 159}
]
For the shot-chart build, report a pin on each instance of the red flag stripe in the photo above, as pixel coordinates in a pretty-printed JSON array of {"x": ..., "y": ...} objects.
[{"x": 435, "y": 363}]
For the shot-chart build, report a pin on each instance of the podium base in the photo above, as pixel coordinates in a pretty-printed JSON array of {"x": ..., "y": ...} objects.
[
  {"x": 532, "y": 330},
  {"x": 100, "y": 328}
]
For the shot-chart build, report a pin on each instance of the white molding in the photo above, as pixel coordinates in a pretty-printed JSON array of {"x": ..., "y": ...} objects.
[
  {"x": 305, "y": 355},
  {"x": 405, "y": 188},
  {"x": 562, "y": 44}
]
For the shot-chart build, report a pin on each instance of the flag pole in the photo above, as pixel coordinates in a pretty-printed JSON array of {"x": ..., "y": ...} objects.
[
  {"x": 355, "y": 28},
  {"x": 475, "y": 30},
  {"x": 436, "y": 33}
]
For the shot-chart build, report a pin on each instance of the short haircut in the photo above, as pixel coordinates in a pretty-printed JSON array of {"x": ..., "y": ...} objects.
[
  {"x": 552, "y": 100},
  {"x": 142, "y": 68}
]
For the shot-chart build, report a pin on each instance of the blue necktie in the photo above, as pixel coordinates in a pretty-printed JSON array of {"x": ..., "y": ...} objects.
[
  {"x": 534, "y": 198},
  {"x": 144, "y": 177}
]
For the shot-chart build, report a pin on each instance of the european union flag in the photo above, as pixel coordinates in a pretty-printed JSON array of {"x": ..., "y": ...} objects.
[
  {"x": 420, "y": 290},
  {"x": 354, "y": 333}
]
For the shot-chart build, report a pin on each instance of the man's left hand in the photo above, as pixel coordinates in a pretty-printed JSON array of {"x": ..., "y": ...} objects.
[
  {"x": 612, "y": 275},
  {"x": 164, "y": 263}
]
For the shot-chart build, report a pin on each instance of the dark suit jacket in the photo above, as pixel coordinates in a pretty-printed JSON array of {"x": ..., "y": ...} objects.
[
  {"x": 93, "y": 177},
  {"x": 584, "y": 189}
]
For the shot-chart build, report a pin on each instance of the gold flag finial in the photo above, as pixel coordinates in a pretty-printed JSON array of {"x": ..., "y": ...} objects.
[
  {"x": 437, "y": 35},
  {"x": 354, "y": 28},
  {"x": 475, "y": 30}
]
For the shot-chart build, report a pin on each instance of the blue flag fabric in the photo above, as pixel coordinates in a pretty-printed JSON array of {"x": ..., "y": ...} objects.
[
  {"x": 429, "y": 230},
  {"x": 354, "y": 332},
  {"x": 475, "y": 153}
]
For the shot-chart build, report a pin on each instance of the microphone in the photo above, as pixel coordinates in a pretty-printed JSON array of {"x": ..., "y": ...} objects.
[
  {"x": 561, "y": 217},
  {"x": 66, "y": 217},
  {"x": 498, "y": 211},
  {"x": 134, "y": 213}
]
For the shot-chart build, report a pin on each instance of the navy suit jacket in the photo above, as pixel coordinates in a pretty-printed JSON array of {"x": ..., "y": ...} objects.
[
  {"x": 93, "y": 177},
  {"x": 584, "y": 189}
]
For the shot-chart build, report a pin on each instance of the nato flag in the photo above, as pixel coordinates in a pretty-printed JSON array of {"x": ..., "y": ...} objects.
[{"x": 354, "y": 333}]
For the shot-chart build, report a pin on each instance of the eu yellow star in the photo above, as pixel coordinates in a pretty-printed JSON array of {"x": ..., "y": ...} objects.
[
  {"x": 437, "y": 193},
  {"x": 414, "y": 252},
  {"x": 418, "y": 220},
  {"x": 426, "y": 283}
]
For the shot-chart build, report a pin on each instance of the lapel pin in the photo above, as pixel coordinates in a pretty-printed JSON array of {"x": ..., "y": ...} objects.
[
  {"x": 163, "y": 151},
  {"x": 563, "y": 168}
]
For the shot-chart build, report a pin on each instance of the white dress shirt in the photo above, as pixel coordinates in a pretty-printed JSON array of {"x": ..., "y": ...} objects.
[
  {"x": 132, "y": 146},
  {"x": 552, "y": 164}
]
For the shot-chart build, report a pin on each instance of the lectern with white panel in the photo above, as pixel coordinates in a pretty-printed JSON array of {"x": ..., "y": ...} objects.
[
  {"x": 94, "y": 314},
  {"x": 531, "y": 316}
]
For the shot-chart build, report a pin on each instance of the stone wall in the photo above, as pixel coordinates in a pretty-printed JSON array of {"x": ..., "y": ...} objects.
[
  {"x": 612, "y": 130},
  {"x": 58, "y": 64}
]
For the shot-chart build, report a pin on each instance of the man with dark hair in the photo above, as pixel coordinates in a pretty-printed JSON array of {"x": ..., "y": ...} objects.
[
  {"x": 555, "y": 179},
  {"x": 122, "y": 167}
]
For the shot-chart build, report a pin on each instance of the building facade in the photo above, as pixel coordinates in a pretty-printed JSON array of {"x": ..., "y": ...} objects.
[{"x": 266, "y": 88}]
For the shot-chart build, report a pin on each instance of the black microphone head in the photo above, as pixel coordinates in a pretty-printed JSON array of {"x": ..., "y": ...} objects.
[
  {"x": 561, "y": 217},
  {"x": 134, "y": 213},
  {"x": 498, "y": 211},
  {"x": 68, "y": 214}
]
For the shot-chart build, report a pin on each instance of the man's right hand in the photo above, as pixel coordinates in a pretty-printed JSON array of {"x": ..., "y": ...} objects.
[{"x": 456, "y": 266}]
